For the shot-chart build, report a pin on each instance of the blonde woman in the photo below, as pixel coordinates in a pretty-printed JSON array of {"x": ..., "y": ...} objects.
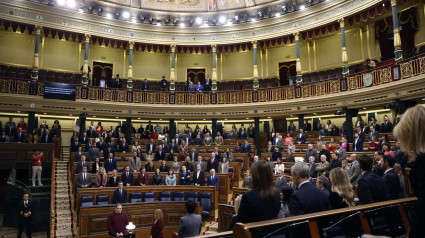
[
  {"x": 236, "y": 204},
  {"x": 342, "y": 194},
  {"x": 101, "y": 179},
  {"x": 158, "y": 225},
  {"x": 149, "y": 166}
]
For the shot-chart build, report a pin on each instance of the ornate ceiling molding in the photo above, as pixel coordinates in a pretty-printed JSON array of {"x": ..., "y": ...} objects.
[{"x": 67, "y": 20}]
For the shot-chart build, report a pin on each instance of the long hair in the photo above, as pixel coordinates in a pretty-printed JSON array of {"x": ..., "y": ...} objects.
[
  {"x": 410, "y": 131},
  {"x": 341, "y": 185},
  {"x": 262, "y": 180},
  {"x": 158, "y": 214}
]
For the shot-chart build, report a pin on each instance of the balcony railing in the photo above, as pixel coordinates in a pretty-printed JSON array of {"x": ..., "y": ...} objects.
[{"x": 382, "y": 75}]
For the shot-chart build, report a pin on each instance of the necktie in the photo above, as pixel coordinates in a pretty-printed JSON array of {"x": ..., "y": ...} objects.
[
  {"x": 26, "y": 203},
  {"x": 84, "y": 176},
  {"x": 121, "y": 191},
  {"x": 127, "y": 175},
  {"x": 110, "y": 161}
]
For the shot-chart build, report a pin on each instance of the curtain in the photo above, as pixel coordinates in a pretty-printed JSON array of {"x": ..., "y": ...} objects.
[
  {"x": 101, "y": 70},
  {"x": 286, "y": 70}
]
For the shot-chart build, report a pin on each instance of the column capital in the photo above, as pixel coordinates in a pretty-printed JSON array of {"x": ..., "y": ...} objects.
[
  {"x": 131, "y": 45},
  {"x": 297, "y": 36},
  {"x": 87, "y": 37},
  {"x": 173, "y": 48},
  {"x": 341, "y": 22},
  {"x": 393, "y": 3},
  {"x": 38, "y": 29},
  {"x": 254, "y": 44},
  {"x": 214, "y": 48}
]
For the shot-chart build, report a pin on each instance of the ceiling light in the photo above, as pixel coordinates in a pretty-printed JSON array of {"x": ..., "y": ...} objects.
[
  {"x": 182, "y": 119},
  {"x": 302, "y": 7},
  {"x": 134, "y": 19},
  {"x": 175, "y": 22},
  {"x": 138, "y": 118},
  {"x": 203, "y": 119},
  {"x": 268, "y": 117},
  {"x": 80, "y": 10},
  {"x": 116, "y": 117},
  {"x": 291, "y": 115},
  {"x": 109, "y": 15},
  {"x": 151, "y": 20},
  {"x": 61, "y": 2},
  {"x": 222, "y": 19},
  {"x": 94, "y": 116},
  {"x": 125, "y": 15},
  {"x": 198, "y": 20},
  {"x": 423, "y": 99},
  {"x": 71, "y": 3},
  {"x": 181, "y": 24},
  {"x": 277, "y": 14},
  {"x": 247, "y": 118},
  {"x": 160, "y": 119},
  {"x": 99, "y": 11},
  {"x": 142, "y": 18},
  {"x": 45, "y": 113},
  {"x": 364, "y": 108}
]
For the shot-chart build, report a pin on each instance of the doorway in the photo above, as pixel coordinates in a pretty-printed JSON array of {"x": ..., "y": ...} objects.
[
  {"x": 102, "y": 71},
  {"x": 287, "y": 73}
]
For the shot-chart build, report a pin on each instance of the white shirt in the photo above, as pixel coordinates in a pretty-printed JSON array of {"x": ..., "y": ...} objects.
[
  {"x": 278, "y": 167},
  {"x": 307, "y": 181},
  {"x": 386, "y": 171}
]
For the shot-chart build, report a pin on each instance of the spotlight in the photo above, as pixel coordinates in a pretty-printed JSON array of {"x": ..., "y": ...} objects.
[
  {"x": 269, "y": 13},
  {"x": 134, "y": 19},
  {"x": 237, "y": 18},
  {"x": 125, "y": 15},
  {"x": 277, "y": 14},
  {"x": 61, "y": 2},
  {"x": 90, "y": 9},
  {"x": 109, "y": 15},
  {"x": 260, "y": 15},
  {"x": 310, "y": 2},
  {"x": 167, "y": 21},
  {"x": 99, "y": 11},
  {"x": 175, "y": 22},
  {"x": 71, "y": 3},
  {"x": 151, "y": 20},
  {"x": 191, "y": 22},
  {"x": 117, "y": 15},
  {"x": 222, "y": 19},
  {"x": 158, "y": 22},
  {"x": 142, "y": 18},
  {"x": 181, "y": 24},
  {"x": 245, "y": 17},
  {"x": 302, "y": 7},
  {"x": 285, "y": 8},
  {"x": 51, "y": 2},
  {"x": 214, "y": 21},
  {"x": 198, "y": 21}
]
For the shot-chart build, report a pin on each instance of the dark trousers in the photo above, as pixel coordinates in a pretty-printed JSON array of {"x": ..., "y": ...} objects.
[{"x": 24, "y": 223}]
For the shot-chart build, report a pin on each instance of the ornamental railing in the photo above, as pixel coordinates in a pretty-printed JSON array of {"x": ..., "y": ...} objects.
[{"x": 378, "y": 76}]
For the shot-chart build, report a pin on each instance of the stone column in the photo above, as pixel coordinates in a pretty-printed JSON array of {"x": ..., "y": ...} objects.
[
  {"x": 257, "y": 135},
  {"x": 172, "y": 128},
  {"x": 31, "y": 121},
  {"x": 349, "y": 125},
  {"x": 172, "y": 71},
  {"x": 299, "y": 79},
  {"x": 301, "y": 121},
  {"x": 345, "y": 70},
  {"x": 214, "y": 69},
  {"x": 214, "y": 128},
  {"x": 128, "y": 130},
  {"x": 35, "y": 64},
  {"x": 130, "y": 66},
  {"x": 85, "y": 77},
  {"x": 398, "y": 56},
  {"x": 82, "y": 123},
  {"x": 255, "y": 74}
]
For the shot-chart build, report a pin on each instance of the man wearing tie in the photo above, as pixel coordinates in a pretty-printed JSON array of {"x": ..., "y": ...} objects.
[
  {"x": 301, "y": 137},
  {"x": 275, "y": 139},
  {"x": 307, "y": 126},
  {"x": 198, "y": 176},
  {"x": 213, "y": 179},
  {"x": 84, "y": 179},
  {"x": 193, "y": 154},
  {"x": 357, "y": 143},
  {"x": 20, "y": 136},
  {"x": 188, "y": 139},
  {"x": 81, "y": 164},
  {"x": 207, "y": 83},
  {"x": 280, "y": 181},
  {"x": 201, "y": 163},
  {"x": 292, "y": 127},
  {"x": 212, "y": 163},
  {"x": 110, "y": 163},
  {"x": 150, "y": 146},
  {"x": 46, "y": 138},
  {"x": 159, "y": 154},
  {"x": 120, "y": 195},
  {"x": 127, "y": 176},
  {"x": 25, "y": 216}
]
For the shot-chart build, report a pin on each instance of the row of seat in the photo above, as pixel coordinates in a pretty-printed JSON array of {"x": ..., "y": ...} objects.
[
  {"x": 149, "y": 197},
  {"x": 43, "y": 75}
]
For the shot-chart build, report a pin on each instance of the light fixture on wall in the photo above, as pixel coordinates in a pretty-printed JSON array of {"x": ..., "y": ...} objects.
[
  {"x": 237, "y": 20},
  {"x": 142, "y": 18},
  {"x": 175, "y": 21},
  {"x": 151, "y": 19},
  {"x": 99, "y": 11},
  {"x": 222, "y": 19},
  {"x": 198, "y": 21},
  {"x": 126, "y": 15},
  {"x": 167, "y": 21}
]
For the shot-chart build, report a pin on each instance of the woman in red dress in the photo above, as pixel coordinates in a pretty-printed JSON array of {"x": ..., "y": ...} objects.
[
  {"x": 158, "y": 225},
  {"x": 332, "y": 145},
  {"x": 99, "y": 128},
  {"x": 374, "y": 144}
]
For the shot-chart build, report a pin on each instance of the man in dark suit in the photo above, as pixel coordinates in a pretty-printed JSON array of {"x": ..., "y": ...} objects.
[
  {"x": 81, "y": 164},
  {"x": 124, "y": 146},
  {"x": 357, "y": 143},
  {"x": 108, "y": 149},
  {"x": 207, "y": 83},
  {"x": 145, "y": 85},
  {"x": 212, "y": 179},
  {"x": 335, "y": 161},
  {"x": 198, "y": 176},
  {"x": 149, "y": 128},
  {"x": 198, "y": 140},
  {"x": 25, "y": 208},
  {"x": 193, "y": 154},
  {"x": 270, "y": 147},
  {"x": 191, "y": 224},
  {"x": 173, "y": 146},
  {"x": 318, "y": 126},
  {"x": 159, "y": 153},
  {"x": 246, "y": 148},
  {"x": 212, "y": 163},
  {"x": 371, "y": 188},
  {"x": 307, "y": 126},
  {"x": 127, "y": 176},
  {"x": 292, "y": 127},
  {"x": 184, "y": 176},
  {"x": 310, "y": 152},
  {"x": 120, "y": 195},
  {"x": 276, "y": 154},
  {"x": 308, "y": 198},
  {"x": 312, "y": 167},
  {"x": 84, "y": 179},
  {"x": 164, "y": 84},
  {"x": 10, "y": 129},
  {"x": 20, "y": 136},
  {"x": 323, "y": 131},
  {"x": 75, "y": 145},
  {"x": 376, "y": 125},
  {"x": 387, "y": 126},
  {"x": 188, "y": 139},
  {"x": 372, "y": 133},
  {"x": 378, "y": 156},
  {"x": 301, "y": 137},
  {"x": 151, "y": 146},
  {"x": 280, "y": 181},
  {"x": 110, "y": 163},
  {"x": 392, "y": 181},
  {"x": 46, "y": 138},
  {"x": 201, "y": 163}
]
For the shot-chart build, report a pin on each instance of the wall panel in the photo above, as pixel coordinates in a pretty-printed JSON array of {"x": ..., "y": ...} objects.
[
  {"x": 239, "y": 65},
  {"x": 185, "y": 61},
  {"x": 16, "y": 48},
  {"x": 149, "y": 65},
  {"x": 60, "y": 55}
]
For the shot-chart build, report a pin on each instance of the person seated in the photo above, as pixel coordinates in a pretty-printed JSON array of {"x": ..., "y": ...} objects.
[
  {"x": 145, "y": 85},
  {"x": 157, "y": 178},
  {"x": 84, "y": 179},
  {"x": 101, "y": 179},
  {"x": 120, "y": 195}
]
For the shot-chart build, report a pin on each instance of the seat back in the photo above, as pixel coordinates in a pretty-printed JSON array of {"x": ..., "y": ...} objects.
[
  {"x": 86, "y": 201},
  {"x": 102, "y": 199},
  {"x": 149, "y": 197},
  {"x": 135, "y": 197},
  {"x": 165, "y": 196},
  {"x": 178, "y": 196},
  {"x": 205, "y": 202},
  {"x": 191, "y": 196}
]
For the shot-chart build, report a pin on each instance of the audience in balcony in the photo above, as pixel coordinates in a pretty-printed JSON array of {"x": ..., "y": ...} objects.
[
  {"x": 307, "y": 126},
  {"x": 207, "y": 83},
  {"x": 318, "y": 126},
  {"x": 145, "y": 85},
  {"x": 292, "y": 127},
  {"x": 164, "y": 84},
  {"x": 4, "y": 138},
  {"x": 199, "y": 88},
  {"x": 171, "y": 178},
  {"x": 114, "y": 179}
]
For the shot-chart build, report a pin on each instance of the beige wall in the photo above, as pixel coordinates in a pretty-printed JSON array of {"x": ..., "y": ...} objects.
[
  {"x": 107, "y": 55},
  {"x": 149, "y": 65},
  {"x": 60, "y": 55},
  {"x": 194, "y": 61},
  {"x": 239, "y": 65},
  {"x": 16, "y": 48}
]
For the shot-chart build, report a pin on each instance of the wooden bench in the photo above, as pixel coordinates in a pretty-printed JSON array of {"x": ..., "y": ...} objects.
[
  {"x": 225, "y": 216},
  {"x": 93, "y": 220}
]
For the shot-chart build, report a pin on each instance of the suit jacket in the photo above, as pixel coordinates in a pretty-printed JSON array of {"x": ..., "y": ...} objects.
[
  {"x": 309, "y": 153},
  {"x": 354, "y": 173},
  {"x": 80, "y": 181},
  {"x": 270, "y": 149},
  {"x": 94, "y": 168},
  {"x": 80, "y": 166},
  {"x": 246, "y": 148},
  {"x": 323, "y": 132},
  {"x": 392, "y": 182},
  {"x": 213, "y": 181},
  {"x": 371, "y": 134},
  {"x": 199, "y": 180},
  {"x": 143, "y": 179},
  {"x": 145, "y": 86},
  {"x": 307, "y": 127},
  {"x": 358, "y": 147},
  {"x": 224, "y": 167},
  {"x": 280, "y": 183},
  {"x": 110, "y": 166},
  {"x": 184, "y": 179},
  {"x": 148, "y": 147},
  {"x": 126, "y": 180},
  {"x": 218, "y": 140},
  {"x": 202, "y": 165},
  {"x": 387, "y": 127},
  {"x": 74, "y": 146},
  {"x": 301, "y": 138},
  {"x": 188, "y": 140},
  {"x": 134, "y": 163},
  {"x": 44, "y": 140},
  {"x": 212, "y": 165},
  {"x": 20, "y": 137},
  {"x": 371, "y": 188},
  {"x": 25, "y": 209},
  {"x": 342, "y": 153},
  {"x": 98, "y": 182},
  {"x": 190, "y": 225},
  {"x": 276, "y": 155},
  {"x": 198, "y": 141},
  {"x": 93, "y": 154},
  {"x": 242, "y": 133},
  {"x": 292, "y": 128},
  {"x": 208, "y": 140},
  {"x": 159, "y": 156},
  {"x": 193, "y": 155},
  {"x": 254, "y": 209},
  {"x": 361, "y": 135},
  {"x": 335, "y": 164},
  {"x": 313, "y": 172},
  {"x": 106, "y": 152},
  {"x": 309, "y": 199},
  {"x": 10, "y": 130},
  {"x": 120, "y": 197},
  {"x": 124, "y": 147}
]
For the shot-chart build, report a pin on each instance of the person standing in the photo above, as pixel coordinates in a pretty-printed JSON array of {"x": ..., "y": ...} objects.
[
  {"x": 191, "y": 224},
  {"x": 158, "y": 225},
  {"x": 25, "y": 216},
  {"x": 117, "y": 221},
  {"x": 371, "y": 187},
  {"x": 164, "y": 84},
  {"x": 37, "y": 159}
]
